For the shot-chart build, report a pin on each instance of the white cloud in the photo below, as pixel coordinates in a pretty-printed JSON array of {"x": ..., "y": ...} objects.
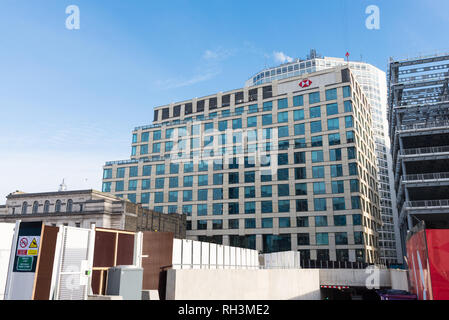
[{"x": 281, "y": 57}]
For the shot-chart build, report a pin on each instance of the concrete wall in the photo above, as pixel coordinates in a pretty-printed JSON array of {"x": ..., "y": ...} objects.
[
  {"x": 355, "y": 277},
  {"x": 399, "y": 279},
  {"x": 228, "y": 284}
]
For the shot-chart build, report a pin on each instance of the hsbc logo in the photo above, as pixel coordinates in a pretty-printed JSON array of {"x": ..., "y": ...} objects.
[{"x": 305, "y": 83}]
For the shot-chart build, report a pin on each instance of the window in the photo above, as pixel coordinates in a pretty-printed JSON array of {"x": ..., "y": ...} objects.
[
  {"x": 173, "y": 196},
  {"x": 341, "y": 238},
  {"x": 201, "y": 210},
  {"x": 252, "y": 122},
  {"x": 267, "y": 106},
  {"x": 157, "y": 135},
  {"x": 233, "y": 223},
  {"x": 236, "y": 123},
  {"x": 187, "y": 195},
  {"x": 354, "y": 185},
  {"x": 267, "y": 119},
  {"x": 322, "y": 238},
  {"x": 298, "y": 101},
  {"x": 331, "y": 94},
  {"x": 352, "y": 169},
  {"x": 233, "y": 177},
  {"x": 233, "y": 208},
  {"x": 169, "y": 133},
  {"x": 322, "y": 254},
  {"x": 301, "y": 189},
  {"x": 315, "y": 112},
  {"x": 338, "y": 187},
  {"x": 250, "y": 223},
  {"x": 132, "y": 185},
  {"x": 336, "y": 170},
  {"x": 217, "y": 224},
  {"x": 333, "y": 124},
  {"x": 282, "y": 131},
  {"x": 346, "y": 91},
  {"x": 203, "y": 165},
  {"x": 357, "y": 219},
  {"x": 314, "y": 97},
  {"x": 144, "y": 149},
  {"x": 282, "y": 103},
  {"x": 358, "y": 237},
  {"x": 158, "y": 197},
  {"x": 36, "y": 207},
  {"x": 284, "y": 222},
  {"x": 302, "y": 205},
  {"x": 315, "y": 126},
  {"x": 349, "y": 122},
  {"x": 348, "y": 106},
  {"x": 133, "y": 150},
  {"x": 159, "y": 184},
  {"x": 58, "y": 206},
  {"x": 234, "y": 193},
  {"x": 351, "y": 153},
  {"x": 319, "y": 188},
  {"x": 284, "y": 206},
  {"x": 160, "y": 169},
  {"x": 265, "y": 191},
  {"x": 335, "y": 155},
  {"x": 300, "y": 143},
  {"x": 355, "y": 202},
  {"x": 340, "y": 221},
  {"x": 250, "y": 162},
  {"x": 134, "y": 140},
  {"x": 299, "y": 157},
  {"x": 145, "y": 197},
  {"x": 203, "y": 180},
  {"x": 320, "y": 204},
  {"x": 283, "y": 190},
  {"x": 174, "y": 168},
  {"x": 350, "y": 137},
  {"x": 303, "y": 239},
  {"x": 218, "y": 165},
  {"x": 300, "y": 129},
  {"x": 217, "y": 209},
  {"x": 267, "y": 206},
  {"x": 267, "y": 222},
  {"x": 283, "y": 116},
  {"x": 106, "y": 187},
  {"x": 119, "y": 186},
  {"x": 202, "y": 194},
  {"x": 265, "y": 176},
  {"x": 342, "y": 254},
  {"x": 282, "y": 174},
  {"x": 338, "y": 203},
  {"x": 46, "y": 206},
  {"x": 201, "y": 225},
  {"x": 107, "y": 174},
  {"x": 250, "y": 176},
  {"x": 120, "y": 173},
  {"x": 302, "y": 222},
  {"x": 218, "y": 179},
  {"x": 298, "y": 115},
  {"x": 317, "y": 156},
  {"x": 250, "y": 192},
  {"x": 334, "y": 139},
  {"x": 318, "y": 172},
  {"x": 276, "y": 243}
]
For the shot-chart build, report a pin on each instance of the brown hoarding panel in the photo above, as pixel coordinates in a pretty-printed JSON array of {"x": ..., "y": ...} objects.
[
  {"x": 125, "y": 249},
  {"x": 157, "y": 249},
  {"x": 44, "y": 269},
  {"x": 104, "y": 252}
]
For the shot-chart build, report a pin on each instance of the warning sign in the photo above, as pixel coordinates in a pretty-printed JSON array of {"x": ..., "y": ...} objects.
[
  {"x": 33, "y": 243},
  {"x": 28, "y": 245}
]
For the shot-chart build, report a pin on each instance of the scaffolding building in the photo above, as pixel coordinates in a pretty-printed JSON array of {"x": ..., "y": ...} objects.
[{"x": 419, "y": 132}]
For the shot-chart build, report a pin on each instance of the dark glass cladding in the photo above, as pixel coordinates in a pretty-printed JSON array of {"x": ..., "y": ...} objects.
[
  {"x": 176, "y": 111},
  {"x": 200, "y": 106},
  {"x": 165, "y": 113},
  {"x": 345, "y": 75},
  {"x": 212, "y": 103},
  {"x": 156, "y": 114},
  {"x": 188, "y": 108},
  {"x": 267, "y": 92},
  {"x": 239, "y": 97},
  {"x": 252, "y": 95},
  {"x": 226, "y": 100}
]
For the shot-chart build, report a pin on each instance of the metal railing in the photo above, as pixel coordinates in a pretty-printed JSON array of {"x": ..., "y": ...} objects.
[
  {"x": 427, "y": 203},
  {"x": 425, "y": 176},
  {"x": 427, "y": 150},
  {"x": 428, "y": 125}
]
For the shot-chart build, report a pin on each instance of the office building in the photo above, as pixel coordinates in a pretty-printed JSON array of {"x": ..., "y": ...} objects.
[{"x": 286, "y": 166}]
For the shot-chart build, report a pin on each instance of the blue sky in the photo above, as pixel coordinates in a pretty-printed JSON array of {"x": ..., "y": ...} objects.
[{"x": 69, "y": 99}]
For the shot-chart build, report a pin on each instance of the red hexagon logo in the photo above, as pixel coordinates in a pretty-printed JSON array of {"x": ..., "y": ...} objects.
[{"x": 305, "y": 83}]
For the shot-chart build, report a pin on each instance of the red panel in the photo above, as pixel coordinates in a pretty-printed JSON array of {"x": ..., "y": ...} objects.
[
  {"x": 420, "y": 283},
  {"x": 438, "y": 251}
]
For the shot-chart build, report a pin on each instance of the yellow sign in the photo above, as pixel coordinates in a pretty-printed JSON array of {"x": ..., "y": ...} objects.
[
  {"x": 33, "y": 243},
  {"x": 32, "y": 252}
]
